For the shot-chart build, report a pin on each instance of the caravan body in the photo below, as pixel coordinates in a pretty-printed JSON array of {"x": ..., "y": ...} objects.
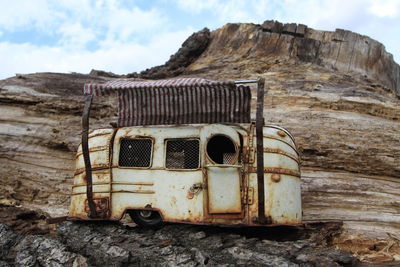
[{"x": 203, "y": 174}]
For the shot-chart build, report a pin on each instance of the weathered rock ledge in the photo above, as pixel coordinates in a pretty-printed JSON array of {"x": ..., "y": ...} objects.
[{"x": 261, "y": 45}]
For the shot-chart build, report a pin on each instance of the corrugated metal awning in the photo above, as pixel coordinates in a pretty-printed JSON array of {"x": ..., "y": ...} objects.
[{"x": 176, "y": 101}]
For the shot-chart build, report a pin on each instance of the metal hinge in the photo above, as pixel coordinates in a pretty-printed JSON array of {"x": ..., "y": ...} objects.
[
  {"x": 250, "y": 146},
  {"x": 248, "y": 195},
  {"x": 251, "y": 155}
]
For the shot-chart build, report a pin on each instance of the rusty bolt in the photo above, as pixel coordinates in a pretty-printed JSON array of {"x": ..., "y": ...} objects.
[
  {"x": 276, "y": 177},
  {"x": 281, "y": 134}
]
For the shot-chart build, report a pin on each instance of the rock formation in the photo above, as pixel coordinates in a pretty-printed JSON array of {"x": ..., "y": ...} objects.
[{"x": 337, "y": 92}]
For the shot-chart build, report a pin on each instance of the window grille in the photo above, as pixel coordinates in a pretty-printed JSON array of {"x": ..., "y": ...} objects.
[
  {"x": 228, "y": 158},
  {"x": 135, "y": 152},
  {"x": 182, "y": 154}
]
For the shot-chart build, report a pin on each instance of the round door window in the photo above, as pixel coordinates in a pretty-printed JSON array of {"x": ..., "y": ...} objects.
[{"x": 221, "y": 149}]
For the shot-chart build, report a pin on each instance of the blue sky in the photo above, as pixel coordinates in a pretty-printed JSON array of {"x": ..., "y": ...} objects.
[{"x": 124, "y": 36}]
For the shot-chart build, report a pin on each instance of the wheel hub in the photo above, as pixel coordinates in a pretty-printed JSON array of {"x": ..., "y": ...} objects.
[{"x": 145, "y": 213}]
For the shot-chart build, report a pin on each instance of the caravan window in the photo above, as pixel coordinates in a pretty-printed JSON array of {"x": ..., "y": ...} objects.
[
  {"x": 135, "y": 152},
  {"x": 182, "y": 154}
]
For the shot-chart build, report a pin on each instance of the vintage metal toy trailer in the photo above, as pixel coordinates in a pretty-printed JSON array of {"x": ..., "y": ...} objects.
[{"x": 186, "y": 151}]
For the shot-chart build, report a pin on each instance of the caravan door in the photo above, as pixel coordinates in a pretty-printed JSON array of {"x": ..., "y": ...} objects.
[{"x": 223, "y": 172}]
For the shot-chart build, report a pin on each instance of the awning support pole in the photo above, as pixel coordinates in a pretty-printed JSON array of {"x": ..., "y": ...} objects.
[
  {"x": 86, "y": 157},
  {"x": 260, "y": 151}
]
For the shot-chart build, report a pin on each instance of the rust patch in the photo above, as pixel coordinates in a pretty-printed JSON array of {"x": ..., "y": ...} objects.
[
  {"x": 280, "y": 151},
  {"x": 278, "y": 171},
  {"x": 134, "y": 191},
  {"x": 118, "y": 191},
  {"x": 98, "y": 134},
  {"x": 78, "y": 185},
  {"x": 281, "y": 140},
  {"x": 102, "y": 207},
  {"x": 283, "y": 130},
  {"x": 102, "y": 177},
  {"x": 263, "y": 221},
  {"x": 173, "y": 201},
  {"x": 226, "y": 216},
  {"x": 95, "y": 168},
  {"x": 134, "y": 183},
  {"x": 83, "y": 178},
  {"x": 93, "y": 149},
  {"x": 282, "y": 171}
]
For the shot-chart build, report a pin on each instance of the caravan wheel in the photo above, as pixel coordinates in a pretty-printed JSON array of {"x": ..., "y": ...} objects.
[{"x": 147, "y": 218}]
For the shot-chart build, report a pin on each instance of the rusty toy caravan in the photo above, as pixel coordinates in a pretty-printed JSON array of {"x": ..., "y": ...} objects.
[{"x": 185, "y": 150}]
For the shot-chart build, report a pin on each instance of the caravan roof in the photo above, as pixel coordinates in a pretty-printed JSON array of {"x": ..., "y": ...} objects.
[{"x": 176, "y": 101}]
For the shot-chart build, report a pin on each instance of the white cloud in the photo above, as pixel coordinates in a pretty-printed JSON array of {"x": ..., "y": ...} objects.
[
  {"x": 234, "y": 11},
  {"x": 119, "y": 58},
  {"x": 323, "y": 14},
  {"x": 121, "y": 23},
  {"x": 75, "y": 36},
  {"x": 121, "y": 36},
  {"x": 384, "y": 8},
  {"x": 326, "y": 15},
  {"x": 48, "y": 16},
  {"x": 312, "y": 12},
  {"x": 195, "y": 6},
  {"x": 225, "y": 11},
  {"x": 19, "y": 14}
]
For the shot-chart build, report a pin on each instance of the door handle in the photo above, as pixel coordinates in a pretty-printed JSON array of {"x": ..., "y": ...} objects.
[{"x": 195, "y": 189}]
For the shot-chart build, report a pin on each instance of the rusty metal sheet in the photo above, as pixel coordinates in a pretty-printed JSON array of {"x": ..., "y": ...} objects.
[
  {"x": 182, "y": 105},
  {"x": 99, "y": 149},
  {"x": 281, "y": 178},
  {"x": 283, "y": 201},
  {"x": 91, "y": 160},
  {"x": 178, "y": 101}
]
